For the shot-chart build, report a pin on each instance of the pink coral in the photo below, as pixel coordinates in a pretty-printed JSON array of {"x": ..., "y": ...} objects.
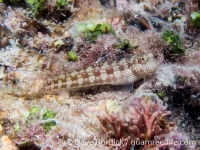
[
  {"x": 150, "y": 112},
  {"x": 143, "y": 121}
]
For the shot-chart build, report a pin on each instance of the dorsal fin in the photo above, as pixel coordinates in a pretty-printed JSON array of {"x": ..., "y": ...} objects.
[{"x": 111, "y": 57}]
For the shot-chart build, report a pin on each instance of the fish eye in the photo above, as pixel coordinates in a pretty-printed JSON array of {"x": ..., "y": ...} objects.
[{"x": 144, "y": 58}]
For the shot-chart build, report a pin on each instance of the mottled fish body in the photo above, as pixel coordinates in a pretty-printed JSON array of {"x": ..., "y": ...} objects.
[{"x": 124, "y": 71}]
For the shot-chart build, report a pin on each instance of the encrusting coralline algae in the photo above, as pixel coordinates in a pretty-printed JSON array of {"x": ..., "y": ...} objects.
[{"x": 147, "y": 50}]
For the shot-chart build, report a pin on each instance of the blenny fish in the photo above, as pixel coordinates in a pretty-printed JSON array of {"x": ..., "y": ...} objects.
[{"x": 118, "y": 72}]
